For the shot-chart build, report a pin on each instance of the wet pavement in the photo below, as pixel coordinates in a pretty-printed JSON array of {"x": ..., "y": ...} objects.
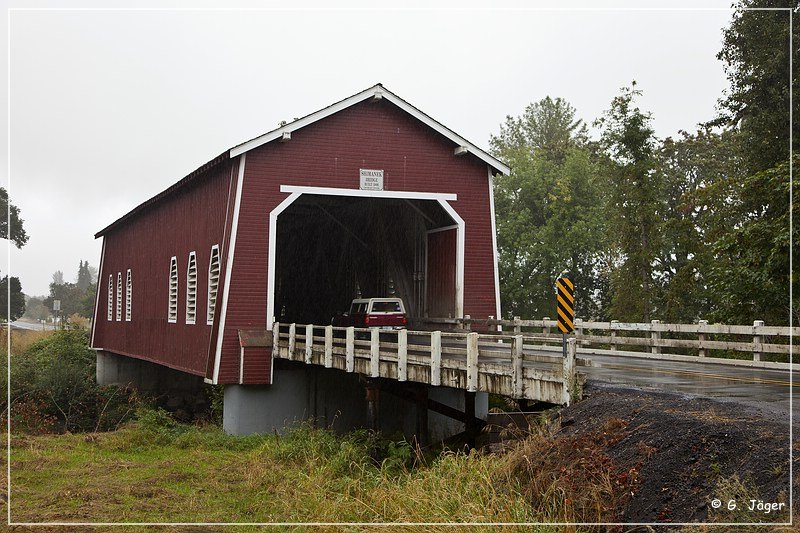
[{"x": 767, "y": 390}]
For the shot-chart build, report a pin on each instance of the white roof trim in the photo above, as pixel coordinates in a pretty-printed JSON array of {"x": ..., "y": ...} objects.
[
  {"x": 360, "y": 97},
  {"x": 407, "y": 195}
]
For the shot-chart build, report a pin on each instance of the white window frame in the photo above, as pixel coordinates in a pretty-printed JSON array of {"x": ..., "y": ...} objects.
[
  {"x": 172, "y": 309},
  {"x": 110, "y": 297},
  {"x": 191, "y": 289},
  {"x": 128, "y": 296},
  {"x": 119, "y": 296},
  {"x": 213, "y": 284}
]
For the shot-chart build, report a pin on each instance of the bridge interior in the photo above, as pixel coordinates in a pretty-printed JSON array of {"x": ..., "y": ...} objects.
[{"x": 332, "y": 249}]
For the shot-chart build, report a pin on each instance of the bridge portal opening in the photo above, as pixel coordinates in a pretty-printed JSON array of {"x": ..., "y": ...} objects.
[{"x": 332, "y": 249}]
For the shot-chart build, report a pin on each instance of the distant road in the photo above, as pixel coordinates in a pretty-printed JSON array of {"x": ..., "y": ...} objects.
[{"x": 31, "y": 326}]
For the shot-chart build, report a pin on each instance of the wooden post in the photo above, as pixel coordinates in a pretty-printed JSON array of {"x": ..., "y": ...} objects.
[
  {"x": 276, "y": 339},
  {"x": 292, "y": 339},
  {"x": 655, "y": 336},
  {"x": 436, "y": 358},
  {"x": 472, "y": 362},
  {"x": 309, "y": 342},
  {"x": 516, "y": 367},
  {"x": 422, "y": 415},
  {"x": 545, "y": 329},
  {"x": 373, "y": 404},
  {"x": 701, "y": 337},
  {"x": 350, "y": 349},
  {"x": 757, "y": 340},
  {"x": 470, "y": 427},
  {"x": 375, "y": 352},
  {"x": 614, "y": 335},
  {"x": 402, "y": 355},
  {"x": 328, "y": 346},
  {"x": 579, "y": 330},
  {"x": 569, "y": 372},
  {"x": 467, "y": 322},
  {"x": 517, "y": 326}
]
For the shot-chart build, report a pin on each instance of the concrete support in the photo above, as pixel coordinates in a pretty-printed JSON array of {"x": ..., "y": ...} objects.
[
  {"x": 337, "y": 400},
  {"x": 177, "y": 390}
]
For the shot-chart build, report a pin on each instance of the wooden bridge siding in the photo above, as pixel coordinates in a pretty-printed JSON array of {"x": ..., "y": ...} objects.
[{"x": 329, "y": 153}]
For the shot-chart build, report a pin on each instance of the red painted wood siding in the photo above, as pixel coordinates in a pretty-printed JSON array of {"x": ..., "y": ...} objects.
[
  {"x": 441, "y": 274},
  {"x": 329, "y": 153},
  {"x": 192, "y": 220}
]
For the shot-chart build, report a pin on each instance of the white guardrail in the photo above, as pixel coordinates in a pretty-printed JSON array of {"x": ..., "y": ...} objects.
[{"x": 757, "y": 345}]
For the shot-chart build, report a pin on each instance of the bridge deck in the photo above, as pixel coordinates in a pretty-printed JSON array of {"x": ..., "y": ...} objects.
[{"x": 499, "y": 364}]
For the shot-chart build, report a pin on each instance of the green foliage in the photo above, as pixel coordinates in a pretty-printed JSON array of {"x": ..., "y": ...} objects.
[
  {"x": 634, "y": 207},
  {"x": 751, "y": 266},
  {"x": 692, "y": 167},
  {"x": 14, "y": 308},
  {"x": 548, "y": 218},
  {"x": 755, "y": 55},
  {"x": 15, "y": 232},
  {"x": 35, "y": 308},
  {"x": 57, "y": 374},
  {"x": 76, "y": 298}
]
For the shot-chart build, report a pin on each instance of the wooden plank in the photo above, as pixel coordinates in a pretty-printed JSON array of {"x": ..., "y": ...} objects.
[
  {"x": 436, "y": 358},
  {"x": 375, "y": 353},
  {"x": 309, "y": 343},
  {"x": 350, "y": 349},
  {"x": 472, "y": 362},
  {"x": 516, "y": 366},
  {"x": 328, "y": 346},
  {"x": 292, "y": 339},
  {"x": 402, "y": 355}
]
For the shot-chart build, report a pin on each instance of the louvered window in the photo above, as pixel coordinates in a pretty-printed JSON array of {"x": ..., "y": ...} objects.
[
  {"x": 173, "y": 290},
  {"x": 191, "y": 289},
  {"x": 111, "y": 297},
  {"x": 213, "y": 283},
  {"x": 119, "y": 296},
  {"x": 128, "y": 296}
]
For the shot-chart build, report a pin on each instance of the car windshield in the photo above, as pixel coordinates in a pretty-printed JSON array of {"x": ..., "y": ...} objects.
[
  {"x": 386, "y": 307},
  {"x": 358, "y": 308}
]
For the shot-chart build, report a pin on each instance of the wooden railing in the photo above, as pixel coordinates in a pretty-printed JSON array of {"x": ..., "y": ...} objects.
[
  {"x": 712, "y": 341},
  {"x": 465, "y": 360}
]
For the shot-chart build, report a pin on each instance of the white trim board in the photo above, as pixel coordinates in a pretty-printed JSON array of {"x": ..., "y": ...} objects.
[
  {"x": 403, "y": 195},
  {"x": 97, "y": 295},
  {"x": 296, "y": 192},
  {"x": 376, "y": 91},
  {"x": 495, "y": 254},
  {"x": 229, "y": 269}
]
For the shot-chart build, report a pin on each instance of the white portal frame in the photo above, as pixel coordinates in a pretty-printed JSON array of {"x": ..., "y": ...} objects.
[{"x": 296, "y": 192}]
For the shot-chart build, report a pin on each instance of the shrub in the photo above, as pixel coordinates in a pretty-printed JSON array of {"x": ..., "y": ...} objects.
[{"x": 54, "y": 381}]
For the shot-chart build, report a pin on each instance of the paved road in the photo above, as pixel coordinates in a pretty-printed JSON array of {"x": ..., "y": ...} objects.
[
  {"x": 768, "y": 390},
  {"x": 35, "y": 326}
]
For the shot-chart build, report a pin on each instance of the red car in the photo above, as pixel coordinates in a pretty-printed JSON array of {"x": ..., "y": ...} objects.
[{"x": 384, "y": 313}]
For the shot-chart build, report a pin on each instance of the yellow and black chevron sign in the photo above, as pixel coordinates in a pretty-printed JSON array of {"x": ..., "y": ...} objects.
[{"x": 566, "y": 305}]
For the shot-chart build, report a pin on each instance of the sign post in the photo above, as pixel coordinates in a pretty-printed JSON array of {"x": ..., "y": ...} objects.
[{"x": 565, "y": 299}]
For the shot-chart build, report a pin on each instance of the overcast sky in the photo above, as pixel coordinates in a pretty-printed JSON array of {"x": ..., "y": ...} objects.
[{"x": 109, "y": 108}]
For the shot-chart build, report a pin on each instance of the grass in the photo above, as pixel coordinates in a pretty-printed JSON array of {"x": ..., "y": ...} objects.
[{"x": 199, "y": 474}]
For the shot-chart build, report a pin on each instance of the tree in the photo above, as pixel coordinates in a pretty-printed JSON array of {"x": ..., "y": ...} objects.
[
  {"x": 15, "y": 307},
  {"x": 755, "y": 54},
  {"x": 84, "y": 276},
  {"x": 548, "y": 223},
  {"x": 634, "y": 207},
  {"x": 11, "y": 225},
  {"x": 751, "y": 274},
  {"x": 76, "y": 298},
  {"x": 694, "y": 170}
]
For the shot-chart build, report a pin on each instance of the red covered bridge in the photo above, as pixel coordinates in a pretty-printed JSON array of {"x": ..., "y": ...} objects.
[{"x": 367, "y": 197}]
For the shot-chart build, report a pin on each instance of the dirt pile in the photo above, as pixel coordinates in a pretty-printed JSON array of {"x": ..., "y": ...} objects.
[{"x": 687, "y": 452}]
